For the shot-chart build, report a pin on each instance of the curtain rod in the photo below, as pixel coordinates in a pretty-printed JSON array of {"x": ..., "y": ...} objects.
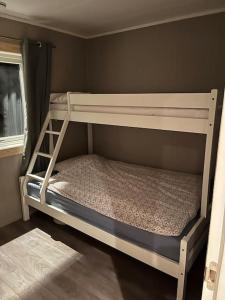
[{"x": 20, "y": 40}]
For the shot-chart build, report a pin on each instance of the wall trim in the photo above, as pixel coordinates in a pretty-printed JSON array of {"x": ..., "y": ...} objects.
[
  {"x": 35, "y": 23},
  {"x": 168, "y": 20}
]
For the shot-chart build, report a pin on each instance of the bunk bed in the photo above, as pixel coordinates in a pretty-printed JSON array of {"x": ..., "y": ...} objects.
[{"x": 172, "y": 252}]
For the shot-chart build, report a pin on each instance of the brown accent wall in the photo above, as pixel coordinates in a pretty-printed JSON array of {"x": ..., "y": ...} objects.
[
  {"x": 183, "y": 56},
  {"x": 68, "y": 74}
]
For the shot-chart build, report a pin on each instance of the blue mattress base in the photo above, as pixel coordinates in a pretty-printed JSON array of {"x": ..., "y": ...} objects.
[{"x": 168, "y": 246}]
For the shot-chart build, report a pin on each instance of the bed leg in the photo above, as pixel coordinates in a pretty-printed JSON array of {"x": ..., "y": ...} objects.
[
  {"x": 25, "y": 211},
  {"x": 25, "y": 207},
  {"x": 182, "y": 276},
  {"x": 181, "y": 286}
]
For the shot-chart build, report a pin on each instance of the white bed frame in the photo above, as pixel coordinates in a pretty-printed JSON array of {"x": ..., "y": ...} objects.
[{"x": 153, "y": 111}]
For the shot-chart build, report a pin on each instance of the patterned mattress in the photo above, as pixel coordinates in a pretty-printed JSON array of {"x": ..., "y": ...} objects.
[{"x": 155, "y": 200}]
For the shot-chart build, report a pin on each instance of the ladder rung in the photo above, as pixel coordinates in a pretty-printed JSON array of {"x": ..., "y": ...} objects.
[
  {"x": 53, "y": 132},
  {"x": 44, "y": 154},
  {"x": 33, "y": 176}
]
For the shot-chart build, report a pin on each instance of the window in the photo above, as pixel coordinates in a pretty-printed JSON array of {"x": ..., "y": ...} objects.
[{"x": 11, "y": 103}]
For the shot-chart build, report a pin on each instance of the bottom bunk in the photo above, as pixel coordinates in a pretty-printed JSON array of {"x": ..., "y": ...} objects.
[
  {"x": 150, "y": 207},
  {"x": 168, "y": 246},
  {"x": 147, "y": 213}
]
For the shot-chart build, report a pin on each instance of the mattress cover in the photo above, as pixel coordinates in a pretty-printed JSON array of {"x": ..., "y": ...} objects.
[{"x": 155, "y": 200}]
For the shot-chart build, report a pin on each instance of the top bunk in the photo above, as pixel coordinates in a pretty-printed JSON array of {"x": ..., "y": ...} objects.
[{"x": 184, "y": 112}]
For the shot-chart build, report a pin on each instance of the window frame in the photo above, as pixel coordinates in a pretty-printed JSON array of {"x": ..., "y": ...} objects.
[{"x": 13, "y": 145}]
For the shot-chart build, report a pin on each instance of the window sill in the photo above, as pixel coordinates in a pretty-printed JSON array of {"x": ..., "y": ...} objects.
[{"x": 11, "y": 151}]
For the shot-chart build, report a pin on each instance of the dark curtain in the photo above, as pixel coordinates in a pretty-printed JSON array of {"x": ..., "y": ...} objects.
[{"x": 37, "y": 75}]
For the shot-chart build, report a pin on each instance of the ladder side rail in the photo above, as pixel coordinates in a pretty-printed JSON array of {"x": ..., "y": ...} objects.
[
  {"x": 53, "y": 160},
  {"x": 55, "y": 152},
  {"x": 34, "y": 155},
  {"x": 38, "y": 145}
]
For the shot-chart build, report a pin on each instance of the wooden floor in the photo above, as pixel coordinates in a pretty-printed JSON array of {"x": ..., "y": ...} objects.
[{"x": 69, "y": 265}]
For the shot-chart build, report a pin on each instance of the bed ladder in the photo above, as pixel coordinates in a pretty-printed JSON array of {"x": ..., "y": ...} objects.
[{"x": 51, "y": 156}]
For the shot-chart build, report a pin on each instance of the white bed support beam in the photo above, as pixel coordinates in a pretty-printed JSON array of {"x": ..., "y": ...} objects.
[
  {"x": 182, "y": 273},
  {"x": 208, "y": 153}
]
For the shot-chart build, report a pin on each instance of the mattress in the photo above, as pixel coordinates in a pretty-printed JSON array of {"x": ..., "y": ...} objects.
[
  {"x": 168, "y": 246},
  {"x": 58, "y": 101},
  {"x": 154, "y": 200}
]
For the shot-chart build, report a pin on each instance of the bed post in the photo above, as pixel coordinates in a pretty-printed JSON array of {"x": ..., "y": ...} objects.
[
  {"x": 208, "y": 154},
  {"x": 182, "y": 271},
  {"x": 25, "y": 207},
  {"x": 90, "y": 138}
]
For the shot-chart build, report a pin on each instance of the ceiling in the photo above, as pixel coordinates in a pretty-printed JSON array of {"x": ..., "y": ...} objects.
[{"x": 89, "y": 18}]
